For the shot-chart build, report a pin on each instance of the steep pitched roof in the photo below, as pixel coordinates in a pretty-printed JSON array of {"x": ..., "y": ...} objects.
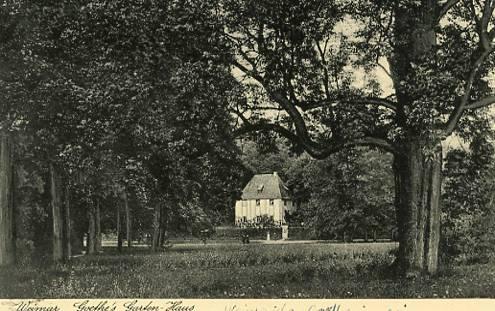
[{"x": 265, "y": 186}]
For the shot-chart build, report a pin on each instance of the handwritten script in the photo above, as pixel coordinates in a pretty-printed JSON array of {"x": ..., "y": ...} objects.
[
  {"x": 283, "y": 307},
  {"x": 156, "y": 305}
]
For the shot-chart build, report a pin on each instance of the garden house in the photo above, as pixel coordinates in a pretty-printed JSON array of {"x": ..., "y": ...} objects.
[{"x": 264, "y": 195}]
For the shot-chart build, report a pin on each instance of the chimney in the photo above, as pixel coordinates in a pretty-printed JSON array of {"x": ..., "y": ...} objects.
[{"x": 275, "y": 174}]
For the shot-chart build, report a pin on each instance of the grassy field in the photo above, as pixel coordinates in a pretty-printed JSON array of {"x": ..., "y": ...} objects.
[{"x": 238, "y": 271}]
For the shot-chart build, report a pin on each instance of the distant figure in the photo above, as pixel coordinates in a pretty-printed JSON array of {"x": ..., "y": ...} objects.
[
  {"x": 204, "y": 235},
  {"x": 245, "y": 238}
]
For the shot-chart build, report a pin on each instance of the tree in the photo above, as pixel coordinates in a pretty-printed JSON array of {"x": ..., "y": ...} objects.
[
  {"x": 57, "y": 219},
  {"x": 20, "y": 76},
  {"x": 7, "y": 238},
  {"x": 33, "y": 94},
  {"x": 351, "y": 195},
  {"x": 11, "y": 34},
  {"x": 259, "y": 161},
  {"x": 119, "y": 228},
  {"x": 299, "y": 60},
  {"x": 67, "y": 248}
]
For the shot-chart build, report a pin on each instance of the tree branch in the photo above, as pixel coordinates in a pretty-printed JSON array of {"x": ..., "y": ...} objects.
[
  {"x": 487, "y": 101},
  {"x": 317, "y": 153},
  {"x": 300, "y": 135},
  {"x": 382, "y": 102},
  {"x": 315, "y": 149},
  {"x": 445, "y": 8},
  {"x": 266, "y": 108},
  {"x": 485, "y": 20},
  {"x": 388, "y": 73},
  {"x": 484, "y": 49},
  {"x": 463, "y": 101},
  {"x": 251, "y": 73},
  {"x": 326, "y": 79},
  {"x": 241, "y": 116},
  {"x": 296, "y": 117},
  {"x": 475, "y": 18},
  {"x": 265, "y": 126},
  {"x": 373, "y": 101}
]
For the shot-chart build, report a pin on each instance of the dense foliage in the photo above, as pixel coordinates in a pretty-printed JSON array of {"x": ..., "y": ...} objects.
[
  {"x": 348, "y": 194},
  {"x": 118, "y": 100},
  {"x": 468, "y": 216}
]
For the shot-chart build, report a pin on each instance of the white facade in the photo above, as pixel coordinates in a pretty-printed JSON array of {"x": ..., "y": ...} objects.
[{"x": 250, "y": 211}]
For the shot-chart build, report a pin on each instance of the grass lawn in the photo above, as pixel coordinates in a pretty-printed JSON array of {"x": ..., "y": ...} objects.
[{"x": 237, "y": 271}]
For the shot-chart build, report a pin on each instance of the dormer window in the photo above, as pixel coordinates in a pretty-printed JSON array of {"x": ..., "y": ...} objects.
[{"x": 260, "y": 188}]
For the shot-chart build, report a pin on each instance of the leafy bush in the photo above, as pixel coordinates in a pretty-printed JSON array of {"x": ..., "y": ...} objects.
[
  {"x": 302, "y": 233},
  {"x": 469, "y": 238},
  {"x": 468, "y": 220}
]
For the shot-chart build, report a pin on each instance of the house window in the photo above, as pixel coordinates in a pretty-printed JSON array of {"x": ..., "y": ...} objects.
[
  {"x": 271, "y": 202},
  {"x": 258, "y": 202}
]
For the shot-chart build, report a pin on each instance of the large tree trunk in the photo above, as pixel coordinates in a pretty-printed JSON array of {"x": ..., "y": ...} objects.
[
  {"x": 68, "y": 226},
  {"x": 119, "y": 229},
  {"x": 163, "y": 235},
  {"x": 156, "y": 227},
  {"x": 57, "y": 219},
  {"x": 160, "y": 236},
  {"x": 97, "y": 226},
  {"x": 128, "y": 221},
  {"x": 77, "y": 242},
  {"x": 418, "y": 183},
  {"x": 91, "y": 243},
  {"x": 7, "y": 237},
  {"x": 418, "y": 163},
  {"x": 163, "y": 226}
]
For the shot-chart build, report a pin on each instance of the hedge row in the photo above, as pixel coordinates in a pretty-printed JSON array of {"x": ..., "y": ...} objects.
[
  {"x": 302, "y": 233},
  {"x": 253, "y": 233},
  {"x": 295, "y": 233}
]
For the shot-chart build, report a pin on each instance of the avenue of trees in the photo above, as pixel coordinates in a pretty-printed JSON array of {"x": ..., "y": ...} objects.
[
  {"x": 114, "y": 113},
  {"x": 126, "y": 113}
]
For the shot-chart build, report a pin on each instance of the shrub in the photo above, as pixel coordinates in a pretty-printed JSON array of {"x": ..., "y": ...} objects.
[
  {"x": 469, "y": 239},
  {"x": 302, "y": 233},
  {"x": 468, "y": 219}
]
